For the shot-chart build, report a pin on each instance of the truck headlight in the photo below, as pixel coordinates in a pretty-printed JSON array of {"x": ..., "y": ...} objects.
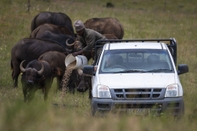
[
  {"x": 172, "y": 90},
  {"x": 103, "y": 91}
]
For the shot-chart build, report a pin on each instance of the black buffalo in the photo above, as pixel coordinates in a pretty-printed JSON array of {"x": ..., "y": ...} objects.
[
  {"x": 107, "y": 25},
  {"x": 42, "y": 30},
  {"x": 84, "y": 83},
  {"x": 29, "y": 49},
  {"x": 56, "y": 18},
  {"x": 36, "y": 75},
  {"x": 75, "y": 79},
  {"x": 62, "y": 39}
]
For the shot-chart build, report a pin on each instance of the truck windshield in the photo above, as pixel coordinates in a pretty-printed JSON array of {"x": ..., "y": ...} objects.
[{"x": 137, "y": 60}]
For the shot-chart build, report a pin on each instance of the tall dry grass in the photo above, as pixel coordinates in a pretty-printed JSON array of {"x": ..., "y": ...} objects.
[{"x": 141, "y": 19}]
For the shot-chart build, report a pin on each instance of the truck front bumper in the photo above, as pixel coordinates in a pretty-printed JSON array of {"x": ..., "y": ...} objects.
[{"x": 173, "y": 105}]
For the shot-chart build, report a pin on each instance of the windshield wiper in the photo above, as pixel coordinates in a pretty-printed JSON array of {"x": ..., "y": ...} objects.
[
  {"x": 143, "y": 71},
  {"x": 132, "y": 70},
  {"x": 159, "y": 70}
]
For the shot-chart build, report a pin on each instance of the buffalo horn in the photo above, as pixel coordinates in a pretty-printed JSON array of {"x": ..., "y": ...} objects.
[
  {"x": 69, "y": 44},
  {"x": 41, "y": 70},
  {"x": 21, "y": 66}
]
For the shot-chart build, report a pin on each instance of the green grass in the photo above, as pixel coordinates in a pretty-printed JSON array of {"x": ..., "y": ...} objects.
[{"x": 141, "y": 19}]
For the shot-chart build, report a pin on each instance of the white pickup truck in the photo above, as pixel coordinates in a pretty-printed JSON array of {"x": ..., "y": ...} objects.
[{"x": 136, "y": 76}]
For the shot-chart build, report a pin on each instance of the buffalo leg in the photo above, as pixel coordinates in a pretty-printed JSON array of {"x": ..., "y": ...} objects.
[
  {"x": 31, "y": 94},
  {"x": 59, "y": 80},
  {"x": 15, "y": 71},
  {"x": 25, "y": 94},
  {"x": 46, "y": 90},
  {"x": 15, "y": 75}
]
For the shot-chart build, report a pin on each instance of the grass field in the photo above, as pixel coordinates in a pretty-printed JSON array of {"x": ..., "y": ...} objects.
[{"x": 141, "y": 19}]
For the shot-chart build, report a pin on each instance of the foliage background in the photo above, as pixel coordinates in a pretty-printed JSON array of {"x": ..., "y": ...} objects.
[{"x": 141, "y": 19}]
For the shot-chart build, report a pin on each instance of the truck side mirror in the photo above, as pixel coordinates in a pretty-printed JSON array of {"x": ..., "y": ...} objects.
[
  {"x": 182, "y": 68},
  {"x": 88, "y": 69}
]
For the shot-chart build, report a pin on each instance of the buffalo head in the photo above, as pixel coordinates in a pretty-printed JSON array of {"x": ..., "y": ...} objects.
[
  {"x": 76, "y": 46},
  {"x": 84, "y": 81},
  {"x": 31, "y": 74}
]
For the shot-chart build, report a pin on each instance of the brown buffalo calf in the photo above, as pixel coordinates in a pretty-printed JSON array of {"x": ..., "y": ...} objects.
[{"x": 56, "y": 60}]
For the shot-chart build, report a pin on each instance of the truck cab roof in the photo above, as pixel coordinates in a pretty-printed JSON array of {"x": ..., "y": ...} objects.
[{"x": 134, "y": 45}]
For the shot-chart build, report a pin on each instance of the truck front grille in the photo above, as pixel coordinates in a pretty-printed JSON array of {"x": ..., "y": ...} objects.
[
  {"x": 138, "y": 93},
  {"x": 138, "y": 106}
]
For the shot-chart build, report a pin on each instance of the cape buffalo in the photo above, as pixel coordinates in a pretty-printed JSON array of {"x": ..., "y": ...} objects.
[
  {"x": 56, "y": 18},
  {"x": 56, "y": 60},
  {"x": 107, "y": 25},
  {"x": 29, "y": 49},
  {"x": 43, "y": 29},
  {"x": 62, "y": 39},
  {"x": 36, "y": 75}
]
